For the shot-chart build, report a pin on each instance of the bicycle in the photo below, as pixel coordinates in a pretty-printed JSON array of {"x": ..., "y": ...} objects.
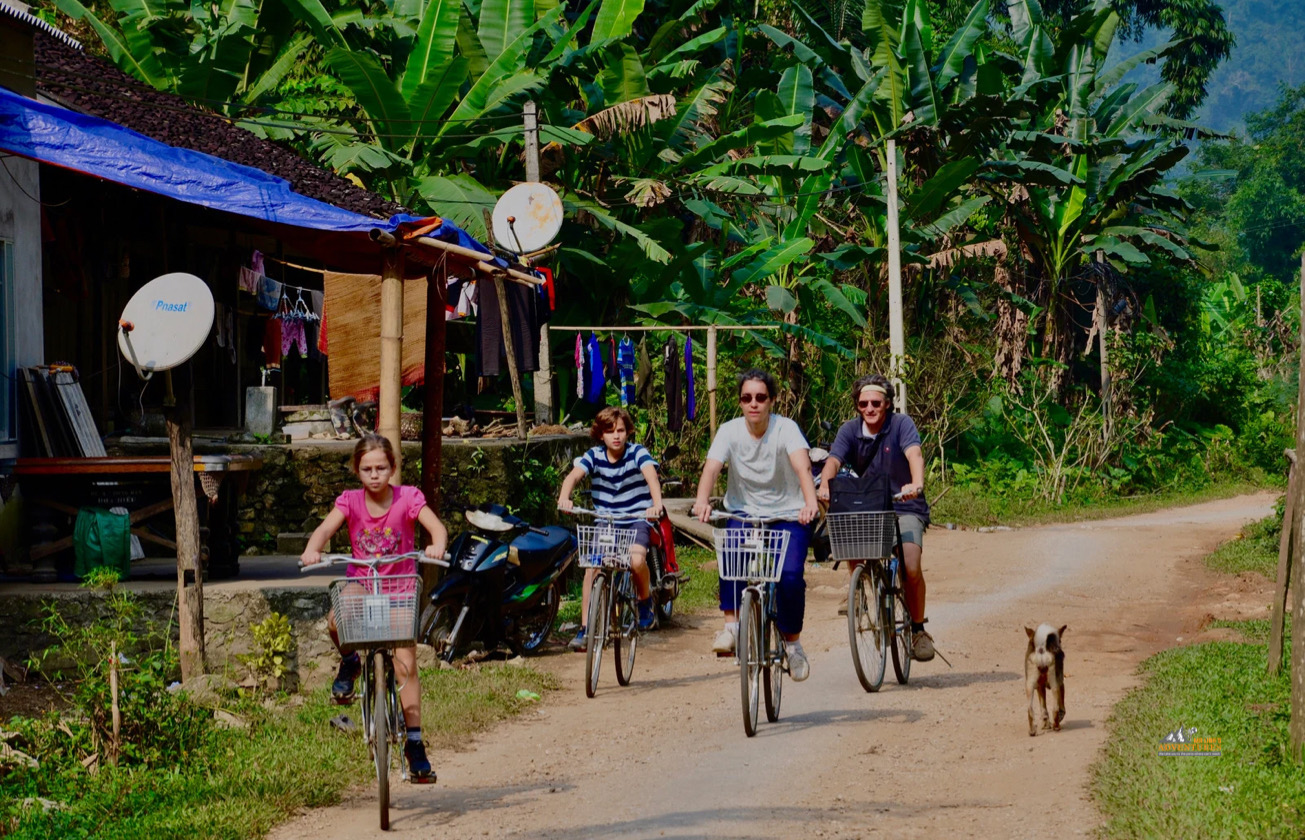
[
  {"x": 877, "y": 618},
  {"x": 373, "y": 614},
  {"x": 613, "y": 608},
  {"x": 754, "y": 556}
]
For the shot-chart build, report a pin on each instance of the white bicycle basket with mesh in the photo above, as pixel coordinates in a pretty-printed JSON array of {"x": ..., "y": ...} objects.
[
  {"x": 376, "y": 611},
  {"x": 604, "y": 544},
  {"x": 750, "y": 554},
  {"x": 864, "y": 535}
]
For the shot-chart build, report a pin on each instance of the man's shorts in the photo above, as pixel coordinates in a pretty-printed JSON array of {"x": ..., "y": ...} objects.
[{"x": 912, "y": 528}]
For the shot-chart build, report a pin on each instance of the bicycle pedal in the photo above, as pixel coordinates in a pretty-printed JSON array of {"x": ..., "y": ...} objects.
[{"x": 428, "y": 779}]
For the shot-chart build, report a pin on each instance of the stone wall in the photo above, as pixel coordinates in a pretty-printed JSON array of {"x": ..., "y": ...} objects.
[{"x": 298, "y": 483}]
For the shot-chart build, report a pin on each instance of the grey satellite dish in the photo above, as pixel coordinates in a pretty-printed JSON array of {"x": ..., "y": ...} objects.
[
  {"x": 527, "y": 218},
  {"x": 165, "y": 322}
]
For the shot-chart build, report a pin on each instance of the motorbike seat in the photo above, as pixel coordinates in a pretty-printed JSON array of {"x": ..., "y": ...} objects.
[{"x": 535, "y": 549}]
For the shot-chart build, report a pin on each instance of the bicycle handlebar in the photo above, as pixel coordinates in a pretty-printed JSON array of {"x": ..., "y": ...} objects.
[
  {"x": 329, "y": 560},
  {"x": 608, "y": 517},
  {"x": 747, "y": 519}
]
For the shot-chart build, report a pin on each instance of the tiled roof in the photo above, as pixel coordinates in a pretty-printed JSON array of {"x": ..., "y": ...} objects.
[{"x": 91, "y": 85}]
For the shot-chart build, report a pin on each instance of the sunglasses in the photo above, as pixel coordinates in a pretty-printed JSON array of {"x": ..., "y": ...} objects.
[
  {"x": 869, "y": 403},
  {"x": 746, "y": 399}
]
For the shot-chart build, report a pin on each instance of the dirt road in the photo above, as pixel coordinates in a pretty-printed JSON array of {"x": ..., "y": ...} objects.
[{"x": 947, "y": 755}]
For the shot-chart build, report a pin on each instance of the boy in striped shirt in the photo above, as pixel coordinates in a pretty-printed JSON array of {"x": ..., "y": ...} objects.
[{"x": 623, "y": 480}]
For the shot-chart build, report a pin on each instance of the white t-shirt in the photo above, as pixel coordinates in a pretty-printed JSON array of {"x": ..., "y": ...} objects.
[{"x": 761, "y": 482}]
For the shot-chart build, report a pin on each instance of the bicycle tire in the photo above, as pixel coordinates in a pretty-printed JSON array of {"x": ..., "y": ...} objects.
[
  {"x": 772, "y": 674},
  {"x": 748, "y": 647},
  {"x": 597, "y": 633},
  {"x": 867, "y": 633},
  {"x": 626, "y": 641},
  {"x": 665, "y": 607},
  {"x": 381, "y": 736},
  {"x": 901, "y": 627}
]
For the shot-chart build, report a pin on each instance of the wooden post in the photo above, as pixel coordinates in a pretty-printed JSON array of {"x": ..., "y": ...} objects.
[
  {"x": 1103, "y": 319},
  {"x": 1286, "y": 545},
  {"x": 391, "y": 383},
  {"x": 711, "y": 377},
  {"x": 1296, "y": 726},
  {"x": 513, "y": 373},
  {"x": 432, "y": 427},
  {"x": 896, "y": 339},
  {"x": 115, "y": 710},
  {"x": 190, "y": 599},
  {"x": 544, "y": 376}
]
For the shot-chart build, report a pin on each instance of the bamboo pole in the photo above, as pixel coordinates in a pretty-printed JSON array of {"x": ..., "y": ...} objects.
[
  {"x": 1296, "y": 726},
  {"x": 115, "y": 710},
  {"x": 510, "y": 351},
  {"x": 432, "y": 427},
  {"x": 476, "y": 258},
  {"x": 1281, "y": 585},
  {"x": 896, "y": 338},
  {"x": 544, "y": 376},
  {"x": 711, "y": 377},
  {"x": 391, "y": 382}
]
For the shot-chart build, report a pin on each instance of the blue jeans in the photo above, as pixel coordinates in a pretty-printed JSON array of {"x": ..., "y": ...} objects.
[{"x": 790, "y": 591}]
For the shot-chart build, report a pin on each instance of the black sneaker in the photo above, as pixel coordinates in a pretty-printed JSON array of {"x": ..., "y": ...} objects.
[
  {"x": 342, "y": 688},
  {"x": 419, "y": 769}
]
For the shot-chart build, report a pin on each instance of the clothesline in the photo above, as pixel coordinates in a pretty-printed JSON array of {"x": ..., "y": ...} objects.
[
  {"x": 704, "y": 328},
  {"x": 289, "y": 264}
]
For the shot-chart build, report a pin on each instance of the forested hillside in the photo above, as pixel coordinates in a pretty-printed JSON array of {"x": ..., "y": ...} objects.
[{"x": 1270, "y": 51}]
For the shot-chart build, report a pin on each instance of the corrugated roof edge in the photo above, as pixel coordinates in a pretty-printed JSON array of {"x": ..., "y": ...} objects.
[{"x": 32, "y": 20}]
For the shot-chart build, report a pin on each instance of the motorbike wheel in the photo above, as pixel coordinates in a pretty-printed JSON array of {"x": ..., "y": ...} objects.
[
  {"x": 536, "y": 624},
  {"x": 434, "y": 627},
  {"x": 656, "y": 570}
]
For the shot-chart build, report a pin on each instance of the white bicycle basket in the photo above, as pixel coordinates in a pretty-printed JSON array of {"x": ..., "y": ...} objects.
[
  {"x": 870, "y": 535},
  {"x": 604, "y": 544},
  {"x": 377, "y": 611},
  {"x": 750, "y": 554}
]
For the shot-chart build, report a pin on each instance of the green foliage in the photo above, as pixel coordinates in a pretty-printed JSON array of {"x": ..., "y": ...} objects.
[{"x": 274, "y": 638}]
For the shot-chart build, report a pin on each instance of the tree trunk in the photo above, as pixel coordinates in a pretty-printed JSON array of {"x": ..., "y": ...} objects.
[
  {"x": 190, "y": 599},
  {"x": 1012, "y": 330}
]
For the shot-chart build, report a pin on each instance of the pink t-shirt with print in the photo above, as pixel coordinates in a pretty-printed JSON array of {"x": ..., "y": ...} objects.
[{"x": 393, "y": 532}]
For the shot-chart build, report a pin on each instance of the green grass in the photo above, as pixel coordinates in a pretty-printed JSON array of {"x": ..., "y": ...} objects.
[
  {"x": 972, "y": 508},
  {"x": 1255, "y": 549},
  {"x": 1251, "y": 791},
  {"x": 241, "y": 783}
]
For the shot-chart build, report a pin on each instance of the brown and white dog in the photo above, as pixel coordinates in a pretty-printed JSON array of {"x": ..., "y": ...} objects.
[{"x": 1044, "y": 673}]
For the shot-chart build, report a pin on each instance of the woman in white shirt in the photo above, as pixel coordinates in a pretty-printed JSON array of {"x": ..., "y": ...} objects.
[{"x": 770, "y": 476}]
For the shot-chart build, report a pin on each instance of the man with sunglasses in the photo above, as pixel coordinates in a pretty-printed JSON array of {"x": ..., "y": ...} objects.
[
  {"x": 883, "y": 441},
  {"x": 770, "y": 476}
]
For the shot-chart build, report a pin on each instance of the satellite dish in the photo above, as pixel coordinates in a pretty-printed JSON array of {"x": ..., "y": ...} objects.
[
  {"x": 165, "y": 322},
  {"x": 527, "y": 217}
]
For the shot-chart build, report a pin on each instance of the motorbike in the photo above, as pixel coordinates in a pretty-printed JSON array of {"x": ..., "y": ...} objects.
[
  {"x": 504, "y": 584},
  {"x": 665, "y": 578}
]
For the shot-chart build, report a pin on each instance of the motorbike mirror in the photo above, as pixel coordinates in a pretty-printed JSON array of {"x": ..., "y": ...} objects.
[{"x": 487, "y": 521}]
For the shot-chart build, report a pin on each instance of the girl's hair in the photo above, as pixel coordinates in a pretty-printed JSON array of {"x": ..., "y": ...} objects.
[
  {"x": 874, "y": 379},
  {"x": 759, "y": 376},
  {"x": 370, "y": 443},
  {"x": 607, "y": 419}
]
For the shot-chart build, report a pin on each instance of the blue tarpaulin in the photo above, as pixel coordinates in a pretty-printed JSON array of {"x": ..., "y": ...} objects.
[{"x": 103, "y": 149}]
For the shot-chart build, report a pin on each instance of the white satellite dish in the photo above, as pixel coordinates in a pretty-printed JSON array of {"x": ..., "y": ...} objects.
[
  {"x": 527, "y": 217},
  {"x": 165, "y": 322}
]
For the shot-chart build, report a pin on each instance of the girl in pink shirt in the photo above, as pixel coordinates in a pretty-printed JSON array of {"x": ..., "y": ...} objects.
[{"x": 381, "y": 520}]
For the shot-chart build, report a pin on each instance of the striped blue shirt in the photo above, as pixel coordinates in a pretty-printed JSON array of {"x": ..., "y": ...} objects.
[{"x": 618, "y": 488}]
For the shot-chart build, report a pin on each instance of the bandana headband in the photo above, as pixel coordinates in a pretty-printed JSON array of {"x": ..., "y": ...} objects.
[{"x": 873, "y": 387}]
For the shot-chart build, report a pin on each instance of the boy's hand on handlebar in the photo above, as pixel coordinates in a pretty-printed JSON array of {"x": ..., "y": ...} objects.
[
  {"x": 565, "y": 505},
  {"x": 702, "y": 510},
  {"x": 654, "y": 512},
  {"x": 808, "y": 513}
]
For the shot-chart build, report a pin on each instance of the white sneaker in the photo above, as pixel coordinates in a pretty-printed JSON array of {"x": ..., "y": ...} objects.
[
  {"x": 798, "y": 667},
  {"x": 724, "y": 641}
]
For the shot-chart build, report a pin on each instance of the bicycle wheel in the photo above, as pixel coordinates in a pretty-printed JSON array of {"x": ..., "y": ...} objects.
[
  {"x": 381, "y": 735},
  {"x": 901, "y": 629},
  {"x": 626, "y": 640},
  {"x": 867, "y": 633},
  {"x": 597, "y": 634},
  {"x": 772, "y": 674},
  {"x": 750, "y": 662},
  {"x": 664, "y": 605}
]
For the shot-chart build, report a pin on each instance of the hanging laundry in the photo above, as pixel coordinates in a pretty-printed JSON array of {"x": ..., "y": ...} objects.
[
  {"x": 625, "y": 366},
  {"x": 272, "y": 344},
  {"x": 252, "y": 275},
  {"x": 643, "y": 378},
  {"x": 231, "y": 335},
  {"x": 269, "y": 294},
  {"x": 671, "y": 367},
  {"x": 317, "y": 303},
  {"x": 609, "y": 362},
  {"x": 544, "y": 299},
  {"x": 321, "y": 330},
  {"x": 579, "y": 367},
  {"x": 690, "y": 404},
  {"x": 219, "y": 325},
  {"x": 524, "y": 325},
  {"x": 594, "y": 361}
]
